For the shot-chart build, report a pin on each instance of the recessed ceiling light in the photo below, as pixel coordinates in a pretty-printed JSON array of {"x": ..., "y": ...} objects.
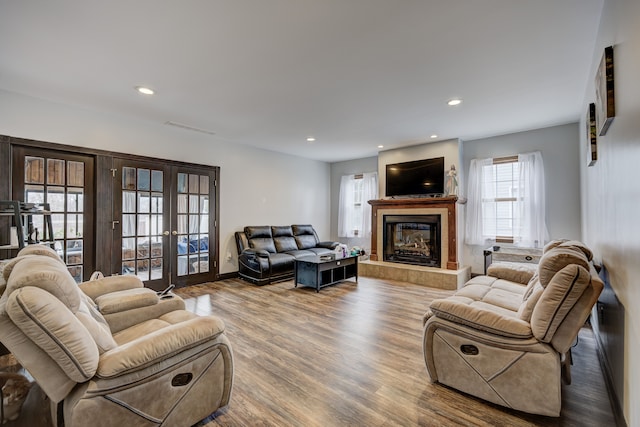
[
  {"x": 455, "y": 101},
  {"x": 310, "y": 139},
  {"x": 434, "y": 136},
  {"x": 145, "y": 90},
  {"x": 380, "y": 146}
]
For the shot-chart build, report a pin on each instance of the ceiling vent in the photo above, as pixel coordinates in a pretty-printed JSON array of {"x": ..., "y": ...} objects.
[{"x": 193, "y": 128}]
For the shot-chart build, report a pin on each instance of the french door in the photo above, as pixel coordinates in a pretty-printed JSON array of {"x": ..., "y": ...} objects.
[
  {"x": 65, "y": 181},
  {"x": 163, "y": 223}
]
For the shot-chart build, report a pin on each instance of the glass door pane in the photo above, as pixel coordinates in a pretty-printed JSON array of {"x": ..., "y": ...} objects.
[
  {"x": 64, "y": 181},
  {"x": 194, "y": 258},
  {"x": 141, "y": 202}
]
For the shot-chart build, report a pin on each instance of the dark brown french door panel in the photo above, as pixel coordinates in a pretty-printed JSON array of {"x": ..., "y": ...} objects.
[
  {"x": 164, "y": 223},
  {"x": 65, "y": 181}
]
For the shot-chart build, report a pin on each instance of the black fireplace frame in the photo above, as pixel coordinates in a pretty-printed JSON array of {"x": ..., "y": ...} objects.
[{"x": 435, "y": 229}]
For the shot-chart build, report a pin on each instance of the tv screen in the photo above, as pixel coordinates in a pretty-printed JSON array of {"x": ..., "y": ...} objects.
[{"x": 416, "y": 178}]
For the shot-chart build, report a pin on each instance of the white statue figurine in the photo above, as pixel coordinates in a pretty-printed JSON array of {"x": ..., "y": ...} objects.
[{"x": 452, "y": 181}]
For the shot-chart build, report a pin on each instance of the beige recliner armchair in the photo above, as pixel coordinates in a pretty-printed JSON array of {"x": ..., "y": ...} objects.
[
  {"x": 145, "y": 362},
  {"x": 505, "y": 337}
]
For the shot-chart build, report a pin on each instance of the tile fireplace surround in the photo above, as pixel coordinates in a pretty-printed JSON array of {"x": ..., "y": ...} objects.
[{"x": 449, "y": 276}]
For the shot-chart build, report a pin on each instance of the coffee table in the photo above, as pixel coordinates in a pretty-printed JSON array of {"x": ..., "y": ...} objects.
[{"x": 317, "y": 272}]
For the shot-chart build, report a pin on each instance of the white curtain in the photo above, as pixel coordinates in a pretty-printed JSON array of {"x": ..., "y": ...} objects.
[
  {"x": 369, "y": 192},
  {"x": 477, "y": 192},
  {"x": 351, "y": 217},
  {"x": 531, "y": 230}
]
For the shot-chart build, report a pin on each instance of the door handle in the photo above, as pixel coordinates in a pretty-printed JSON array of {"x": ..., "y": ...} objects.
[
  {"x": 113, "y": 224},
  {"x": 174, "y": 232},
  {"x": 166, "y": 232}
]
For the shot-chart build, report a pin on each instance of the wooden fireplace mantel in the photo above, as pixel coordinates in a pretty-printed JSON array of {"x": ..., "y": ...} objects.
[{"x": 448, "y": 203}]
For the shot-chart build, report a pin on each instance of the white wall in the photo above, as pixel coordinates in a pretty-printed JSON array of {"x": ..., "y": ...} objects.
[
  {"x": 611, "y": 188},
  {"x": 560, "y": 149},
  {"x": 338, "y": 169},
  {"x": 258, "y": 187},
  {"x": 449, "y": 149}
]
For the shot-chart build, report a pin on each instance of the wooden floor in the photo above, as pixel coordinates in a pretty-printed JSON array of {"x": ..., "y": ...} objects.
[{"x": 350, "y": 355}]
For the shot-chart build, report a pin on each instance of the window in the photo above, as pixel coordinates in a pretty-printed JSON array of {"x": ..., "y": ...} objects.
[
  {"x": 506, "y": 201},
  {"x": 499, "y": 202},
  {"x": 354, "y": 213}
]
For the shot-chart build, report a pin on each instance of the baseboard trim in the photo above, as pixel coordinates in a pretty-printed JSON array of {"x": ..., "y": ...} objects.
[
  {"x": 616, "y": 407},
  {"x": 232, "y": 275}
]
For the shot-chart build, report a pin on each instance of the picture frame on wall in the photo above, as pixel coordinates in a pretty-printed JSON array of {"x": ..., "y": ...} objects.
[
  {"x": 605, "y": 94},
  {"x": 592, "y": 135}
]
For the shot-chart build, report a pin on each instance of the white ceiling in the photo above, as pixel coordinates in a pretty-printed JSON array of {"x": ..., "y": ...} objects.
[{"x": 269, "y": 73}]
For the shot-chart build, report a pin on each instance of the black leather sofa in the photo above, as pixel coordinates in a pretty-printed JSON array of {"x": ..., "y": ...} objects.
[{"x": 266, "y": 253}]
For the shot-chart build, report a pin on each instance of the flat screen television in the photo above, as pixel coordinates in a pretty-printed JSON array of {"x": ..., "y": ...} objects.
[{"x": 417, "y": 178}]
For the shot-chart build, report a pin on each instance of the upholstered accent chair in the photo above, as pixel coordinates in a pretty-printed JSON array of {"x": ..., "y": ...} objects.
[
  {"x": 145, "y": 362},
  {"x": 506, "y": 337}
]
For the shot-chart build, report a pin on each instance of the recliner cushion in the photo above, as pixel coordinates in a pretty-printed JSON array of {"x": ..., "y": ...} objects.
[
  {"x": 577, "y": 246},
  {"x": 48, "y": 274},
  {"x": 263, "y": 245},
  {"x": 260, "y": 238},
  {"x": 56, "y": 330},
  {"x": 555, "y": 260},
  {"x": 305, "y": 236},
  {"x": 560, "y": 295},
  {"x": 283, "y": 238},
  {"x": 281, "y": 263}
]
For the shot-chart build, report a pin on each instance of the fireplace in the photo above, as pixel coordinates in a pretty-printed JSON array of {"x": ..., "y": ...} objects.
[
  {"x": 444, "y": 207},
  {"x": 412, "y": 239}
]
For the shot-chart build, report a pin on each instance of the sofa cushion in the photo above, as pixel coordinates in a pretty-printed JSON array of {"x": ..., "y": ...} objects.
[
  {"x": 301, "y": 253},
  {"x": 283, "y": 238},
  {"x": 556, "y": 259},
  {"x": 99, "y": 330},
  {"x": 305, "y": 236},
  {"x": 529, "y": 300},
  {"x": 260, "y": 238},
  {"x": 559, "y": 296},
  {"x": 481, "y": 316},
  {"x": 281, "y": 263}
]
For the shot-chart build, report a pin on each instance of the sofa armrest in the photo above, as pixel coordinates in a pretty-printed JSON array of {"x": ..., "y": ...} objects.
[
  {"x": 256, "y": 252},
  {"x": 157, "y": 346},
  {"x": 512, "y": 271},
  {"x": 481, "y": 316},
  {"x": 105, "y": 285},
  {"x": 327, "y": 245}
]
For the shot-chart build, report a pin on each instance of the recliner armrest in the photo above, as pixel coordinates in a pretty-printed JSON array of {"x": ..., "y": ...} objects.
[
  {"x": 157, "y": 346},
  {"x": 481, "y": 317},
  {"x": 129, "y": 299},
  {"x": 327, "y": 245},
  {"x": 95, "y": 288}
]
